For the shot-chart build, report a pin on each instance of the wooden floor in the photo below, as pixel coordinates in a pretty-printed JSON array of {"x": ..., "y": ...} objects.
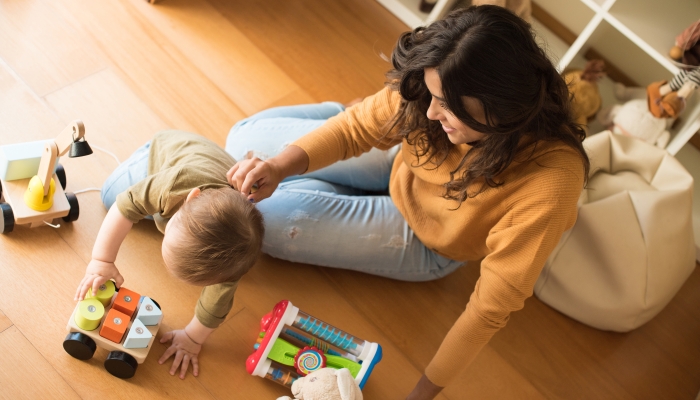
[{"x": 129, "y": 69}]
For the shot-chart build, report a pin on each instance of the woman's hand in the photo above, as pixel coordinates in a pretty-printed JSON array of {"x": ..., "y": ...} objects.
[
  {"x": 424, "y": 390},
  {"x": 255, "y": 171},
  {"x": 97, "y": 273},
  {"x": 185, "y": 351},
  {"x": 268, "y": 174}
]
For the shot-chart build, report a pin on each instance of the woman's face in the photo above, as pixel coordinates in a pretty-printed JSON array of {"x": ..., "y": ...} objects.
[{"x": 457, "y": 131}]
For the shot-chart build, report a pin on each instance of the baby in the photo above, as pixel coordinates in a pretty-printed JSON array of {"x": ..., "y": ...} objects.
[{"x": 212, "y": 233}]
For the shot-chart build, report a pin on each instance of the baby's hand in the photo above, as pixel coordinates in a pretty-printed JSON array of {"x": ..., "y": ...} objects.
[
  {"x": 185, "y": 351},
  {"x": 97, "y": 273}
]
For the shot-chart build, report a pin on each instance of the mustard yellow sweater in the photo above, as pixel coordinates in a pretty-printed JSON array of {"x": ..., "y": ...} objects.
[{"x": 513, "y": 227}]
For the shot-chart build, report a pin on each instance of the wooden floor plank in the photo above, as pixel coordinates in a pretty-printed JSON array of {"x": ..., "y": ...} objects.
[
  {"x": 43, "y": 48},
  {"x": 167, "y": 81},
  {"x": 25, "y": 116},
  {"x": 427, "y": 310},
  {"x": 4, "y": 322},
  {"x": 223, "y": 53},
  {"x": 332, "y": 49},
  {"x": 22, "y": 367}
]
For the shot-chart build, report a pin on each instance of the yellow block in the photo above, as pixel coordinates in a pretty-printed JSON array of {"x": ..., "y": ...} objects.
[
  {"x": 89, "y": 314},
  {"x": 104, "y": 293},
  {"x": 34, "y": 195}
]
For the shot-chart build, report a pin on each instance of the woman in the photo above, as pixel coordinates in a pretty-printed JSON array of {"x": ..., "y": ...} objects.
[{"x": 490, "y": 165}]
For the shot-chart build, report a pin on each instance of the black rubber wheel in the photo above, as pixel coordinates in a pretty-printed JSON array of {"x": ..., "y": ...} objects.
[
  {"x": 74, "y": 211},
  {"x": 156, "y": 303},
  {"x": 79, "y": 346},
  {"x": 121, "y": 364},
  {"x": 61, "y": 174},
  {"x": 7, "y": 218}
]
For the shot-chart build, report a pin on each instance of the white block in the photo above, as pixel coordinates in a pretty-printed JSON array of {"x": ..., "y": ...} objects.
[
  {"x": 149, "y": 313},
  {"x": 138, "y": 336},
  {"x": 21, "y": 160}
]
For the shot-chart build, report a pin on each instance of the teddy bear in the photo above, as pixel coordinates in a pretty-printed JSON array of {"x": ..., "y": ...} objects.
[
  {"x": 633, "y": 117},
  {"x": 326, "y": 384},
  {"x": 583, "y": 85}
]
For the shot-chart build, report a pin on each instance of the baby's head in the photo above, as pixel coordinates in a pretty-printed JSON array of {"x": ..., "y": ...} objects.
[{"x": 214, "y": 237}]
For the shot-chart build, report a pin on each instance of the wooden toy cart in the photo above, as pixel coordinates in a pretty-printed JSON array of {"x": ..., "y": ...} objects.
[
  {"x": 30, "y": 192},
  {"x": 122, "y": 322}
]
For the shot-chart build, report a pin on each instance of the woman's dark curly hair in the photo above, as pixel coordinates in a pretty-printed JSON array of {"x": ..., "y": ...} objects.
[{"x": 488, "y": 53}]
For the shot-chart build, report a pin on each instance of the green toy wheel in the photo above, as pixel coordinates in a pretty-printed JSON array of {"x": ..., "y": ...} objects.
[
  {"x": 79, "y": 346},
  {"x": 121, "y": 364},
  {"x": 74, "y": 211},
  {"x": 61, "y": 174},
  {"x": 7, "y": 218}
]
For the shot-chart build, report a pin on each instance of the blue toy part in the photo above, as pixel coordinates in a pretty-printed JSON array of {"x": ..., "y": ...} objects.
[
  {"x": 368, "y": 365},
  {"x": 138, "y": 336},
  {"x": 148, "y": 312},
  {"x": 312, "y": 342},
  {"x": 21, "y": 160},
  {"x": 327, "y": 333}
]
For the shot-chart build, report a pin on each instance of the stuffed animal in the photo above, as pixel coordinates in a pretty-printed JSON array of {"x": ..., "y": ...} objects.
[
  {"x": 668, "y": 98},
  {"x": 326, "y": 384},
  {"x": 583, "y": 85},
  {"x": 633, "y": 118}
]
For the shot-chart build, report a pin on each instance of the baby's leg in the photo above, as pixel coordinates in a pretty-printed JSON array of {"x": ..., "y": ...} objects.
[
  {"x": 316, "y": 222},
  {"x": 131, "y": 171}
]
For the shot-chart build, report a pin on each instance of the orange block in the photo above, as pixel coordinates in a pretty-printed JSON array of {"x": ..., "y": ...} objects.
[
  {"x": 115, "y": 325},
  {"x": 126, "y": 301}
]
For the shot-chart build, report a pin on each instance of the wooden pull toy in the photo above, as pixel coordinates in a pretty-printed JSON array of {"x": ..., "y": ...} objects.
[{"x": 109, "y": 320}]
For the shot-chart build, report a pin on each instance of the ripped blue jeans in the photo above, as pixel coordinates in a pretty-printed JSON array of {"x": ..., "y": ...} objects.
[{"x": 337, "y": 216}]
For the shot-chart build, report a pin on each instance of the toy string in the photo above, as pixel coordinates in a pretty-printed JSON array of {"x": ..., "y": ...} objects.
[{"x": 94, "y": 189}]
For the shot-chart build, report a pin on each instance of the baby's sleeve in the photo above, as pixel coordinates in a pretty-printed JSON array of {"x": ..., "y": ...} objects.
[
  {"x": 152, "y": 195},
  {"x": 214, "y": 303}
]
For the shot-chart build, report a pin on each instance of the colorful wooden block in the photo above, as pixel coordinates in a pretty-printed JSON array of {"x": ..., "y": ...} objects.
[
  {"x": 88, "y": 314},
  {"x": 21, "y": 160},
  {"x": 104, "y": 293},
  {"x": 115, "y": 325},
  {"x": 126, "y": 301},
  {"x": 149, "y": 313},
  {"x": 138, "y": 337}
]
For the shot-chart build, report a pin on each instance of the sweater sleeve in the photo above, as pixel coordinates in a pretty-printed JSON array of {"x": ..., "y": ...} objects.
[
  {"x": 519, "y": 245},
  {"x": 214, "y": 303},
  {"x": 354, "y": 131}
]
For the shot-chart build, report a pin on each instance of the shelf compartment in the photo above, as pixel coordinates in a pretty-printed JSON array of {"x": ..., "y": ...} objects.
[{"x": 656, "y": 27}]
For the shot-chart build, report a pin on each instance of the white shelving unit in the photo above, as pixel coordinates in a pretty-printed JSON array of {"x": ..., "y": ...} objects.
[
  {"x": 652, "y": 28},
  {"x": 409, "y": 12}
]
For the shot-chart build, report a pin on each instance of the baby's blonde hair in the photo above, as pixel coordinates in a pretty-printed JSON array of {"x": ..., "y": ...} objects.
[{"x": 222, "y": 236}]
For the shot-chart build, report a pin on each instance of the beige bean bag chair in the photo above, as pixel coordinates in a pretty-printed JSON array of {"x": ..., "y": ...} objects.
[{"x": 632, "y": 246}]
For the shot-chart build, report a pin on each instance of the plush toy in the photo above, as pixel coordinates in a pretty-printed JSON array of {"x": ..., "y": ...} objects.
[
  {"x": 687, "y": 47},
  {"x": 633, "y": 118},
  {"x": 668, "y": 99},
  {"x": 326, "y": 384},
  {"x": 583, "y": 85}
]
